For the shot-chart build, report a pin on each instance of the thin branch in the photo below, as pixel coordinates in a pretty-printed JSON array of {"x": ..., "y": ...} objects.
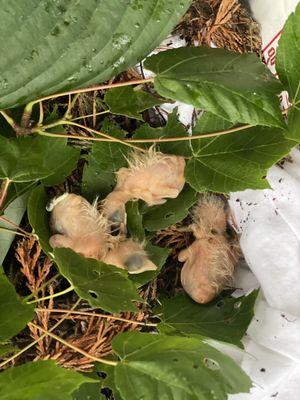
[
  {"x": 8, "y": 119},
  {"x": 41, "y": 116},
  {"x": 33, "y": 294},
  {"x": 71, "y": 346},
  {"x": 90, "y": 314},
  {"x": 69, "y": 289},
  {"x": 3, "y": 191},
  {"x": 91, "y": 130},
  {"x": 91, "y": 115},
  {"x": 4, "y": 219},
  {"x": 90, "y": 89},
  {"x": 15, "y": 232},
  {"x": 153, "y": 140},
  {"x": 13, "y": 357}
]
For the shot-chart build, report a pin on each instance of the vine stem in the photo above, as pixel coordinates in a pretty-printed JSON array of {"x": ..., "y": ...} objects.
[
  {"x": 154, "y": 140},
  {"x": 15, "y": 232},
  {"x": 13, "y": 357},
  {"x": 71, "y": 346},
  {"x": 33, "y": 294},
  {"x": 90, "y": 314},
  {"x": 91, "y": 115},
  {"x": 3, "y": 191},
  {"x": 91, "y": 130},
  {"x": 69, "y": 289},
  {"x": 29, "y": 106},
  {"x": 2, "y": 218}
]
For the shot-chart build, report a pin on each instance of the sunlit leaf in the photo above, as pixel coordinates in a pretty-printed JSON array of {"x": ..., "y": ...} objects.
[
  {"x": 170, "y": 367},
  {"x": 236, "y": 87},
  {"x": 103, "y": 286}
]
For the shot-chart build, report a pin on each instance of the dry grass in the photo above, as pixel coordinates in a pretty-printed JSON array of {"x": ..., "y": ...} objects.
[{"x": 224, "y": 22}]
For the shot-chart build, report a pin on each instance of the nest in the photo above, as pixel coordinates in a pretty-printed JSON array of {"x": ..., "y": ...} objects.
[{"x": 226, "y": 23}]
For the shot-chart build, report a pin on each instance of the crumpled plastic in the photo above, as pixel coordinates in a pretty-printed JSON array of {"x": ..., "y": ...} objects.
[{"x": 269, "y": 224}]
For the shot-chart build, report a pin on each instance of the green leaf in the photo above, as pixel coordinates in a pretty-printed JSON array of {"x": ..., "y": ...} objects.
[
  {"x": 54, "y": 46},
  {"x": 235, "y": 161},
  {"x": 293, "y": 128},
  {"x": 130, "y": 102},
  {"x": 224, "y": 319},
  {"x": 236, "y": 87},
  {"x": 39, "y": 217},
  {"x": 135, "y": 221},
  {"x": 88, "y": 391},
  {"x": 6, "y": 349},
  {"x": 288, "y": 55},
  {"x": 169, "y": 367},
  {"x": 39, "y": 380},
  {"x": 158, "y": 256},
  {"x": 173, "y": 128},
  {"x": 30, "y": 158},
  {"x": 102, "y": 163},
  {"x": 14, "y": 213},
  {"x": 174, "y": 210},
  {"x": 14, "y": 314},
  {"x": 103, "y": 286},
  {"x": 109, "y": 380}
]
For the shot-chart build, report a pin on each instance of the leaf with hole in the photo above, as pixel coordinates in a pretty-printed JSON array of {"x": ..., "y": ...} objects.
[
  {"x": 173, "y": 211},
  {"x": 27, "y": 159},
  {"x": 235, "y": 161},
  {"x": 225, "y": 318},
  {"x": 103, "y": 286},
  {"x": 14, "y": 314},
  {"x": 52, "y": 46},
  {"x": 236, "y": 87},
  {"x": 156, "y": 366},
  {"x": 130, "y": 102},
  {"x": 39, "y": 380}
]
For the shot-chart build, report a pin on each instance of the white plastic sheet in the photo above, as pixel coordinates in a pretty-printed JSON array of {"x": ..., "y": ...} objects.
[{"x": 269, "y": 223}]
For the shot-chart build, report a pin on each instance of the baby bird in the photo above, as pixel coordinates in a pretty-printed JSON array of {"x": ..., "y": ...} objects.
[
  {"x": 77, "y": 224},
  {"x": 210, "y": 260},
  {"x": 152, "y": 177},
  {"x": 130, "y": 255}
]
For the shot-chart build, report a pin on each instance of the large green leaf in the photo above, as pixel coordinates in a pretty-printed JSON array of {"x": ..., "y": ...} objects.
[
  {"x": 224, "y": 319},
  {"x": 293, "y": 127},
  {"x": 173, "y": 128},
  {"x": 135, "y": 221},
  {"x": 38, "y": 216},
  {"x": 103, "y": 286},
  {"x": 14, "y": 314},
  {"x": 129, "y": 101},
  {"x": 14, "y": 213},
  {"x": 169, "y": 367},
  {"x": 30, "y": 158},
  {"x": 39, "y": 380},
  {"x": 237, "y": 87},
  {"x": 288, "y": 55},
  {"x": 50, "y": 46},
  {"x": 102, "y": 163},
  {"x": 173, "y": 211},
  {"x": 236, "y": 161}
]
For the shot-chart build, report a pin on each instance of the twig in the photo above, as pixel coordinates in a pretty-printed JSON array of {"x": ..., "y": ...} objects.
[
  {"x": 33, "y": 294},
  {"x": 58, "y": 310},
  {"x": 69, "y": 289},
  {"x": 15, "y": 232},
  {"x": 71, "y": 346},
  {"x": 91, "y": 115},
  {"x": 41, "y": 337},
  {"x": 3, "y": 191}
]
